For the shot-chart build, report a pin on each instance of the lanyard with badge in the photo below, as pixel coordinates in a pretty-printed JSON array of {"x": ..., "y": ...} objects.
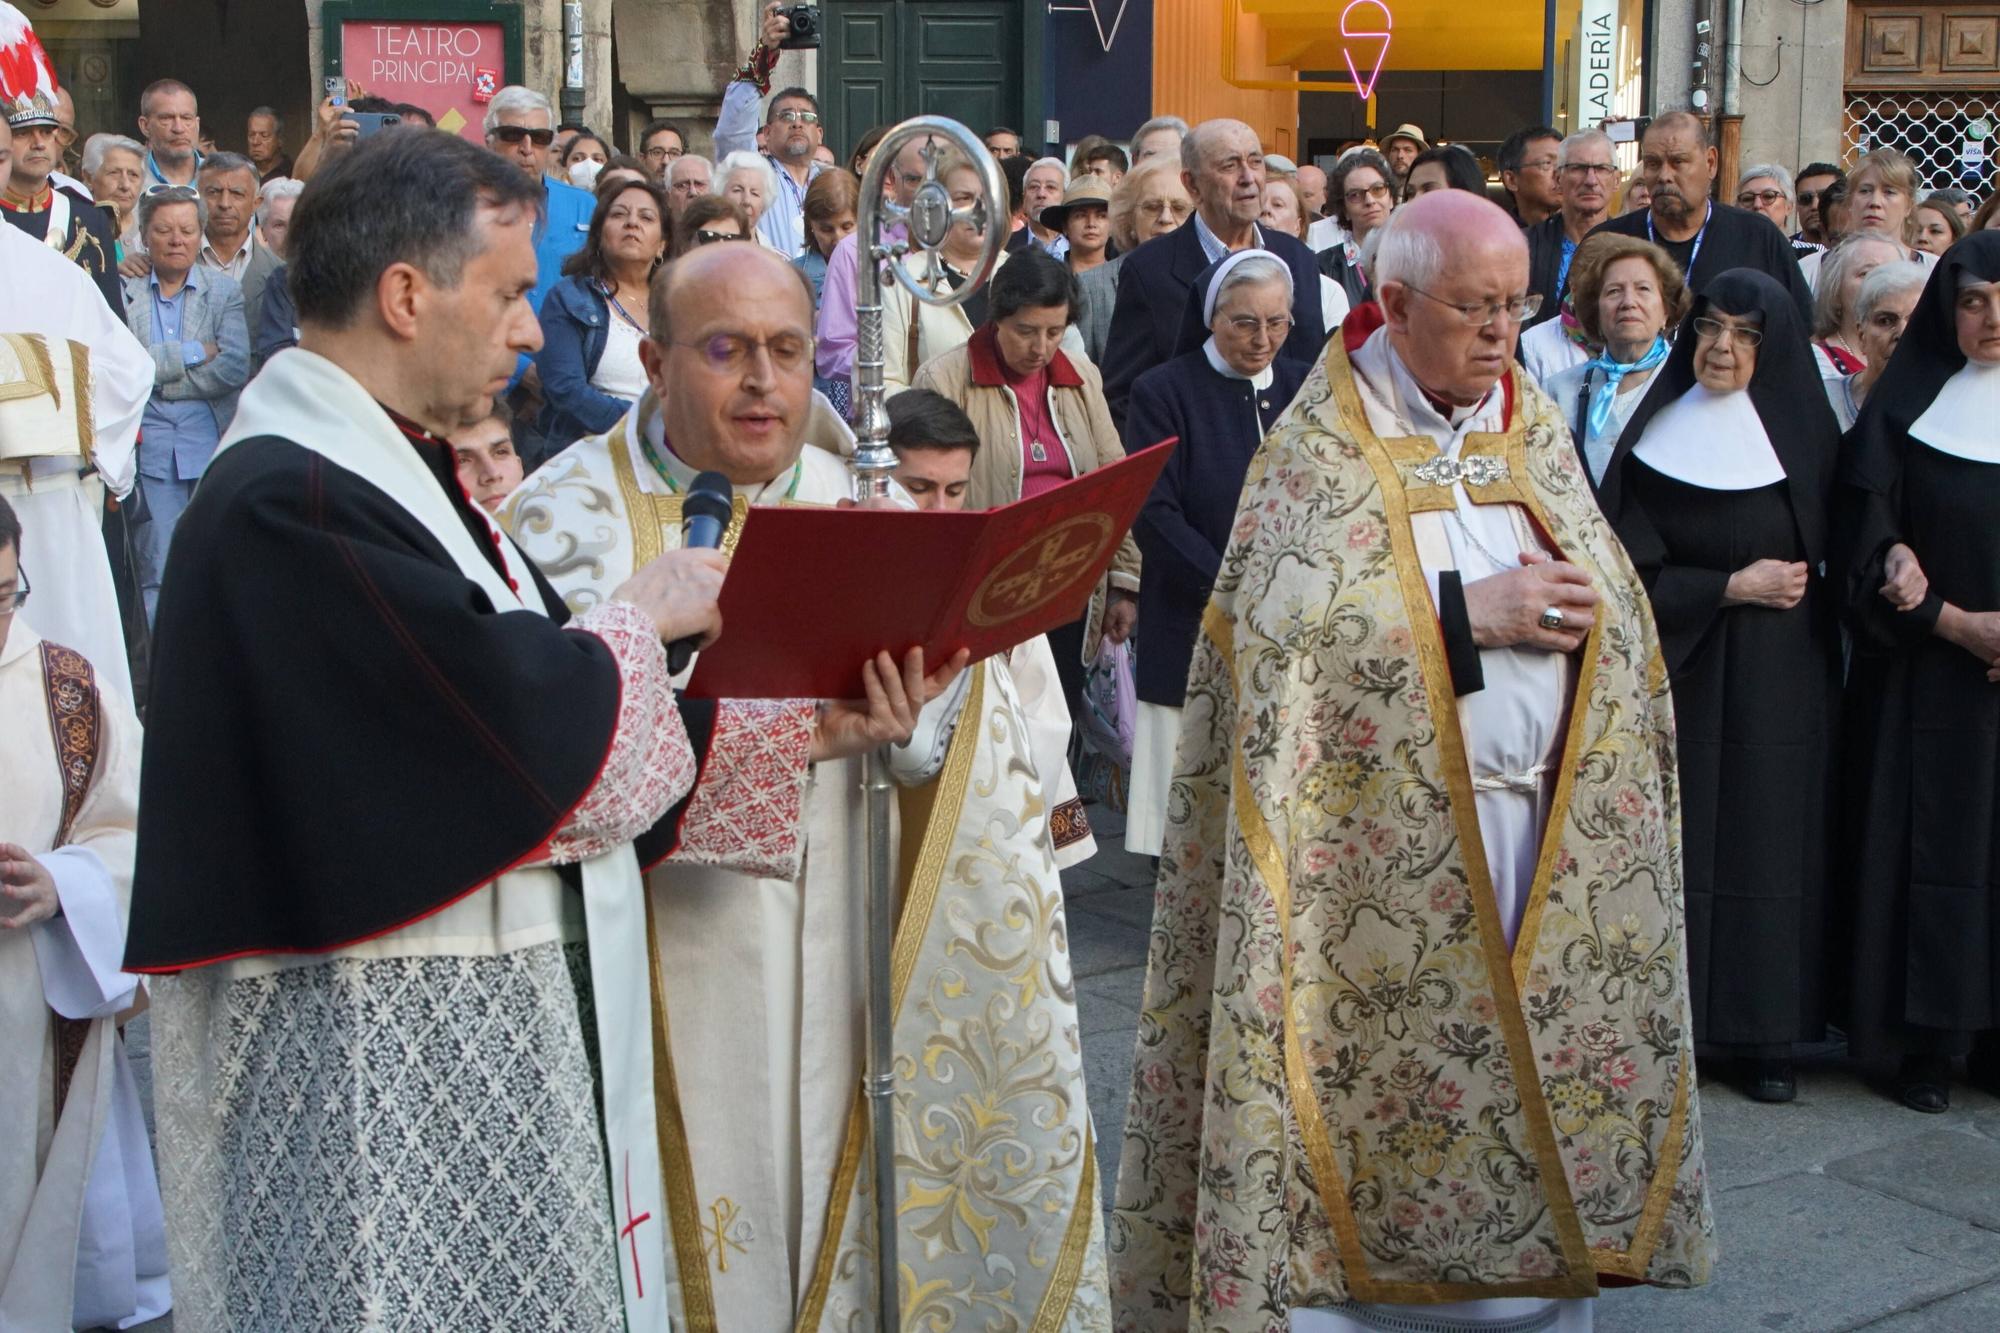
[{"x": 1693, "y": 254}]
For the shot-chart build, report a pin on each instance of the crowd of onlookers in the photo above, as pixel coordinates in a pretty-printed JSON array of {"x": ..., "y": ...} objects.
[{"x": 1180, "y": 282}]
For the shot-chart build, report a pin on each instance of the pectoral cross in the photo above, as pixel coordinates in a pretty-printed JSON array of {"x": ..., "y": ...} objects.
[{"x": 632, "y": 1225}]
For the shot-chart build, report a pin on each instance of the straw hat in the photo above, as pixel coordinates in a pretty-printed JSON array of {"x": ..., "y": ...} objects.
[
  {"x": 1083, "y": 191},
  {"x": 1410, "y": 132}
]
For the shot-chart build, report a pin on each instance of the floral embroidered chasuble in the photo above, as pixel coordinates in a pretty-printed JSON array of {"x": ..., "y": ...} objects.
[{"x": 1346, "y": 1086}]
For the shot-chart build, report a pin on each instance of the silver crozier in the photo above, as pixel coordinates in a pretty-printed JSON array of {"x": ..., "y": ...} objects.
[{"x": 925, "y": 223}]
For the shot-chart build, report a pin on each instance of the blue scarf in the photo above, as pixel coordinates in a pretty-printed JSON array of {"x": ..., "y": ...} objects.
[{"x": 1606, "y": 393}]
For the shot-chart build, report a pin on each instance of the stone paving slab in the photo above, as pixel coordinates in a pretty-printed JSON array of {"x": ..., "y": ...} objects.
[
  {"x": 1107, "y": 1084},
  {"x": 1975, "y": 1311},
  {"x": 1098, "y": 943},
  {"x": 1109, "y": 1001},
  {"x": 1837, "y": 1114},
  {"x": 1951, "y": 1171},
  {"x": 1810, "y": 1254}
]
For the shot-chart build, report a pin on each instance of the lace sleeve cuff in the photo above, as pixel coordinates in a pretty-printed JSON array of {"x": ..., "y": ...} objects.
[
  {"x": 650, "y": 764},
  {"x": 747, "y": 812}
]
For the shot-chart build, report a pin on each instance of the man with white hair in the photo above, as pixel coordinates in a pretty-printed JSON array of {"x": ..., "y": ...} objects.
[
  {"x": 1586, "y": 173},
  {"x": 1160, "y": 135},
  {"x": 1424, "y": 842},
  {"x": 792, "y": 130},
  {"x": 1222, "y": 169},
  {"x": 274, "y": 320},
  {"x": 1042, "y": 186},
  {"x": 520, "y": 126},
  {"x": 688, "y": 179}
]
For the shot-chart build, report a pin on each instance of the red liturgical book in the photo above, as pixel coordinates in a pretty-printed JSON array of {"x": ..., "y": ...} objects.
[{"x": 814, "y": 593}]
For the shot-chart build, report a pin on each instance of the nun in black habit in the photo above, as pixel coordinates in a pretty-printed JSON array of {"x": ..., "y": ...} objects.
[
  {"x": 1917, "y": 550},
  {"x": 1218, "y": 397},
  {"x": 1719, "y": 488}
]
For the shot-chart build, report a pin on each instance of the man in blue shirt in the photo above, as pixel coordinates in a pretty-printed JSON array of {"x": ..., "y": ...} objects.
[{"x": 520, "y": 126}]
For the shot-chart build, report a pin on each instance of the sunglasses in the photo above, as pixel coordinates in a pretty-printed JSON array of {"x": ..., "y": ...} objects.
[
  {"x": 706, "y": 237},
  {"x": 171, "y": 193},
  {"x": 515, "y": 133}
]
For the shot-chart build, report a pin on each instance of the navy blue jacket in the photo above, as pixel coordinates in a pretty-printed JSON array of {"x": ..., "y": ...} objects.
[
  {"x": 1153, "y": 313},
  {"x": 575, "y": 327},
  {"x": 1185, "y": 524}
]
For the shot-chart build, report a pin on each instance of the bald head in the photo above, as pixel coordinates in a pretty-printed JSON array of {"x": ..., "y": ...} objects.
[
  {"x": 1444, "y": 222},
  {"x": 730, "y": 360},
  {"x": 1452, "y": 328},
  {"x": 708, "y": 278},
  {"x": 1222, "y": 168}
]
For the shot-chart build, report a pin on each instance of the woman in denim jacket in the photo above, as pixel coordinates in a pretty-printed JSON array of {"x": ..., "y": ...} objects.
[{"x": 594, "y": 319}]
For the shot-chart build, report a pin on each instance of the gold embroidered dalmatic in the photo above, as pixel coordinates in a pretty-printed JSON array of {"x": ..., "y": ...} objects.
[
  {"x": 999, "y": 1197},
  {"x": 1346, "y": 1086}
]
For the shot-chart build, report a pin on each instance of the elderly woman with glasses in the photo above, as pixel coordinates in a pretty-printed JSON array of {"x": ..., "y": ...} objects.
[
  {"x": 1627, "y": 293},
  {"x": 1720, "y": 488},
  {"x": 1218, "y": 398},
  {"x": 1150, "y": 201},
  {"x": 1881, "y": 312}
]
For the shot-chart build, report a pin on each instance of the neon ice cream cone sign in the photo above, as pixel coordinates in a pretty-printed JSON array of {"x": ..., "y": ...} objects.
[{"x": 1359, "y": 31}]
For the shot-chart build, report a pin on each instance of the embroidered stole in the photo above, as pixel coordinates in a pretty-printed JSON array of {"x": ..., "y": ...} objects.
[{"x": 75, "y": 724}]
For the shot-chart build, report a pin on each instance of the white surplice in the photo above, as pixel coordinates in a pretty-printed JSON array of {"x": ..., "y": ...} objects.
[
  {"x": 61, "y": 511},
  {"x": 328, "y": 1075},
  {"x": 80, "y": 1227},
  {"x": 1511, "y": 725}
]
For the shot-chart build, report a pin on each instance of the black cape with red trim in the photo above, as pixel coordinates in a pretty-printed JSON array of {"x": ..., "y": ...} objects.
[{"x": 344, "y": 734}]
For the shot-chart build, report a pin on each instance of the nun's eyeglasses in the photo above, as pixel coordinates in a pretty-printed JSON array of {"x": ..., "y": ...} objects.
[{"x": 1740, "y": 334}]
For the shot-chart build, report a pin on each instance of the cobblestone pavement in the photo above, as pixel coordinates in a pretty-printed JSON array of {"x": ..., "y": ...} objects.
[{"x": 1839, "y": 1211}]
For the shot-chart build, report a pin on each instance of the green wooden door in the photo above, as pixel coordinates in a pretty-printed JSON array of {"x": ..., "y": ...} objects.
[{"x": 888, "y": 60}]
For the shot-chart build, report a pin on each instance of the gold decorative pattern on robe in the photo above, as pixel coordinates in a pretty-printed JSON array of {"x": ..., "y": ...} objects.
[
  {"x": 1000, "y": 1225},
  {"x": 1346, "y": 1086}
]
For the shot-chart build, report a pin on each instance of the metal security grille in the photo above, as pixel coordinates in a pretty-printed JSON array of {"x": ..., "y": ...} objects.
[{"x": 1932, "y": 129}]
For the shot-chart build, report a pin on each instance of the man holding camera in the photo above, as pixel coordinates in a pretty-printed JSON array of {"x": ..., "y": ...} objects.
[{"x": 792, "y": 126}]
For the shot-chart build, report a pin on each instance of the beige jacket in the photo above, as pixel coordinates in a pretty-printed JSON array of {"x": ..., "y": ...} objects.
[
  {"x": 939, "y": 329},
  {"x": 970, "y": 375}
]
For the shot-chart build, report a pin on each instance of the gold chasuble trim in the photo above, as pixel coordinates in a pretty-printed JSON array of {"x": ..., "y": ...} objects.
[
  {"x": 920, "y": 899},
  {"x": 663, "y": 510},
  {"x": 676, "y": 1161},
  {"x": 1061, "y": 1291},
  {"x": 1429, "y": 643}
]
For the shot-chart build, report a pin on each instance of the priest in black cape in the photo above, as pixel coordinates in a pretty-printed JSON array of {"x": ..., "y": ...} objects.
[
  {"x": 1917, "y": 554},
  {"x": 1706, "y": 238},
  {"x": 388, "y": 794},
  {"x": 1719, "y": 488}
]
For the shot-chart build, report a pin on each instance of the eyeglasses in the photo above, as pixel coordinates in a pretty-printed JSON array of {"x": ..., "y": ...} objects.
[
  {"x": 1539, "y": 164},
  {"x": 707, "y": 237},
  {"x": 1249, "y": 325},
  {"x": 15, "y": 600},
  {"x": 791, "y": 115},
  {"x": 730, "y": 353},
  {"x": 1363, "y": 194},
  {"x": 1740, "y": 334},
  {"x": 1762, "y": 198},
  {"x": 662, "y": 154},
  {"x": 1479, "y": 314},
  {"x": 513, "y": 134},
  {"x": 172, "y": 193},
  {"x": 1582, "y": 169}
]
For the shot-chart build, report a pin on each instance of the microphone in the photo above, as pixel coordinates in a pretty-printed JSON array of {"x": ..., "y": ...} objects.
[{"x": 704, "y": 518}]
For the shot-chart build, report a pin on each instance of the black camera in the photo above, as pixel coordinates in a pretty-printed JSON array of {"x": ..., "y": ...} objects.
[{"x": 805, "y": 32}]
